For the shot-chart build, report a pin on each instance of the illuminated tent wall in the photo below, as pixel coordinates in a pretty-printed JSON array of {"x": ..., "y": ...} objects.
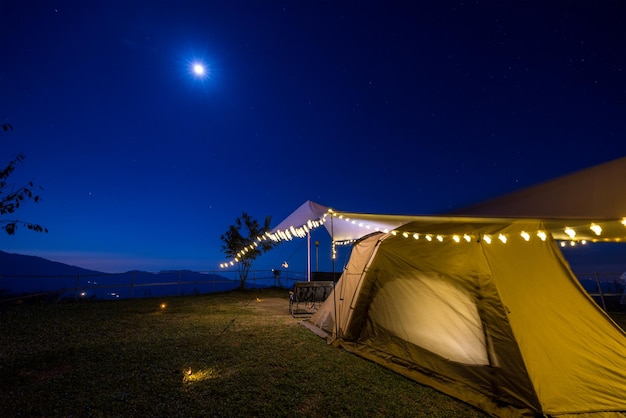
[{"x": 485, "y": 310}]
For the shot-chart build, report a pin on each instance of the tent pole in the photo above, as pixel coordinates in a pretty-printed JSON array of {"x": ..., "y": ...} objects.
[
  {"x": 308, "y": 256},
  {"x": 332, "y": 243}
]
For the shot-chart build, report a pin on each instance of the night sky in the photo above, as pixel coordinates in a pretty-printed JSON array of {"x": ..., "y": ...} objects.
[{"x": 378, "y": 107}]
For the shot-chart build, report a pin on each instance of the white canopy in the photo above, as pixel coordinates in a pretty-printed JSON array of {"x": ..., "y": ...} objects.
[{"x": 342, "y": 226}]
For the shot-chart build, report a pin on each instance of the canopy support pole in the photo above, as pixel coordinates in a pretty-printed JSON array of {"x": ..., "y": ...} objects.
[{"x": 308, "y": 255}]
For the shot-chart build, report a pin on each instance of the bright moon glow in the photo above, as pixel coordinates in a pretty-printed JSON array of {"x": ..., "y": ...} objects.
[{"x": 198, "y": 69}]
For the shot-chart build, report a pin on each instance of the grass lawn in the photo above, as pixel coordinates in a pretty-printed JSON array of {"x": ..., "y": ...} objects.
[{"x": 230, "y": 354}]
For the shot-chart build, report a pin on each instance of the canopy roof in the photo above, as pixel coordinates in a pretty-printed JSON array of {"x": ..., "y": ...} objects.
[{"x": 595, "y": 193}]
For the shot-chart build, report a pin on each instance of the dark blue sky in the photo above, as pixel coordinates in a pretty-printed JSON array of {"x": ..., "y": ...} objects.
[{"x": 383, "y": 107}]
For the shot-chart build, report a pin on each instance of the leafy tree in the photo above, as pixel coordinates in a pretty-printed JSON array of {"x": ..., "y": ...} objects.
[
  {"x": 12, "y": 197},
  {"x": 245, "y": 246}
]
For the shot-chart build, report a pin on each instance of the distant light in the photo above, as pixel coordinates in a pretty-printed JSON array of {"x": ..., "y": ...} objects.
[
  {"x": 163, "y": 306},
  {"x": 525, "y": 235}
]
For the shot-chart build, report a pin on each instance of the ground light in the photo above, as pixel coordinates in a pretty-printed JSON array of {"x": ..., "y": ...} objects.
[{"x": 194, "y": 376}]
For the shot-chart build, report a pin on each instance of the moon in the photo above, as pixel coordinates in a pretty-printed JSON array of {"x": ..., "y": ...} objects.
[{"x": 198, "y": 69}]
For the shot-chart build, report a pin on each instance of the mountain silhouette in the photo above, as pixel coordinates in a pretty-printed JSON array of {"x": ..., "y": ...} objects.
[{"x": 29, "y": 265}]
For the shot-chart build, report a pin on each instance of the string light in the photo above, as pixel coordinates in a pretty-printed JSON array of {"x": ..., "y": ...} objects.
[
  {"x": 597, "y": 229},
  {"x": 302, "y": 231}
]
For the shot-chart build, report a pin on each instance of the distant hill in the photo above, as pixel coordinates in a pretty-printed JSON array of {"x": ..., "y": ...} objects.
[
  {"x": 30, "y": 275},
  {"x": 29, "y": 265}
]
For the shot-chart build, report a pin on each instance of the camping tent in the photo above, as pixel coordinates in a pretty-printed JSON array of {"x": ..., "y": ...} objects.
[{"x": 485, "y": 310}]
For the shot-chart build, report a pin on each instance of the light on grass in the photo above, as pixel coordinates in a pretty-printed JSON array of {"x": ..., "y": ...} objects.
[{"x": 191, "y": 376}]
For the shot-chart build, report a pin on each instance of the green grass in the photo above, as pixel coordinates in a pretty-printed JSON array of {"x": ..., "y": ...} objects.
[{"x": 247, "y": 357}]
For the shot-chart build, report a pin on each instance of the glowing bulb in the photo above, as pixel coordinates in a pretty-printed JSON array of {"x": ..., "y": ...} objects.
[
  {"x": 487, "y": 239},
  {"x": 416, "y": 236},
  {"x": 597, "y": 229},
  {"x": 456, "y": 238},
  {"x": 439, "y": 238},
  {"x": 542, "y": 235},
  {"x": 429, "y": 237},
  {"x": 623, "y": 221},
  {"x": 467, "y": 237},
  {"x": 570, "y": 232},
  {"x": 525, "y": 235},
  {"x": 163, "y": 306},
  {"x": 502, "y": 238},
  {"x": 394, "y": 232},
  {"x": 405, "y": 234}
]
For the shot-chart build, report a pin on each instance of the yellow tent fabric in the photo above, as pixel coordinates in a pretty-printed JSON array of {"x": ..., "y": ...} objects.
[{"x": 484, "y": 310}]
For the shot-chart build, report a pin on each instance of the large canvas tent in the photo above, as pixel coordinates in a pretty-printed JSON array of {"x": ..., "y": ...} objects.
[
  {"x": 504, "y": 326},
  {"x": 481, "y": 304}
]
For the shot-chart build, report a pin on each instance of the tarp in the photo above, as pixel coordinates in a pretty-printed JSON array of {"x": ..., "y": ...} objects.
[{"x": 596, "y": 193}]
